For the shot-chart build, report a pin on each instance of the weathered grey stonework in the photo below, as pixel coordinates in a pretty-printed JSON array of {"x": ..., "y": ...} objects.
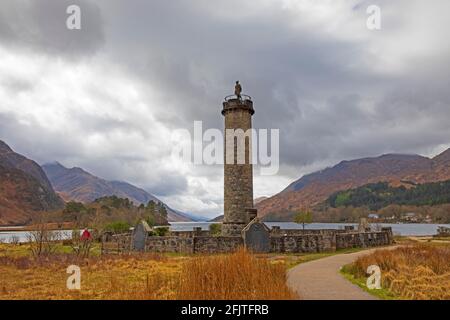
[
  {"x": 276, "y": 231},
  {"x": 169, "y": 244},
  {"x": 140, "y": 234},
  {"x": 281, "y": 241},
  {"x": 116, "y": 244},
  {"x": 199, "y": 244},
  {"x": 443, "y": 232},
  {"x": 238, "y": 178},
  {"x": 257, "y": 236},
  {"x": 389, "y": 233},
  {"x": 190, "y": 234},
  {"x": 217, "y": 244},
  {"x": 363, "y": 239},
  {"x": 303, "y": 243}
]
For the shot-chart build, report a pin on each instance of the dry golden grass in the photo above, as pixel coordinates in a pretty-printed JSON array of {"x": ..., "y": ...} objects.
[
  {"x": 114, "y": 277},
  {"x": 144, "y": 276},
  {"x": 419, "y": 272},
  {"x": 240, "y": 275}
]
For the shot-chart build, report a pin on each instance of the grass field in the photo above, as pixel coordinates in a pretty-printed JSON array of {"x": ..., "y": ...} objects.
[
  {"x": 148, "y": 276},
  {"x": 141, "y": 276},
  {"x": 420, "y": 271}
]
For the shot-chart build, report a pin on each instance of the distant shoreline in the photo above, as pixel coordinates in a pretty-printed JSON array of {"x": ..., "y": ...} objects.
[{"x": 52, "y": 226}]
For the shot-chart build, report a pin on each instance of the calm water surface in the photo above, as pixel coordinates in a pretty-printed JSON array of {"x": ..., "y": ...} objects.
[
  {"x": 407, "y": 229},
  {"x": 23, "y": 236}
]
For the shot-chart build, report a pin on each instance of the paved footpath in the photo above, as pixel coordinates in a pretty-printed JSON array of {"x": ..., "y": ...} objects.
[{"x": 320, "y": 279}]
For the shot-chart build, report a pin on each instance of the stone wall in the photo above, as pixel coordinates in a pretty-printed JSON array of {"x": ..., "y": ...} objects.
[
  {"x": 170, "y": 244},
  {"x": 443, "y": 232},
  {"x": 328, "y": 241},
  {"x": 292, "y": 241},
  {"x": 303, "y": 243},
  {"x": 190, "y": 234},
  {"x": 276, "y": 231},
  {"x": 113, "y": 244},
  {"x": 217, "y": 244},
  {"x": 202, "y": 244},
  {"x": 362, "y": 239}
]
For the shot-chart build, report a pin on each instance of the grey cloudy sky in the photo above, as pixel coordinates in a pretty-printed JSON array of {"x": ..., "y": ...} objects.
[{"x": 107, "y": 97}]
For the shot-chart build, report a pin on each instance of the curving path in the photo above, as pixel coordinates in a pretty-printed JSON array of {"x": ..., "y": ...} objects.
[{"x": 320, "y": 279}]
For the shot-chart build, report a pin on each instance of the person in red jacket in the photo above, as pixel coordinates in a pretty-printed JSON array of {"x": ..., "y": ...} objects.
[{"x": 86, "y": 235}]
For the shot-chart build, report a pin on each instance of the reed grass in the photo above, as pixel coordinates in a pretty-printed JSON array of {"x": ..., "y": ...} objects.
[
  {"x": 238, "y": 275},
  {"x": 418, "y": 272}
]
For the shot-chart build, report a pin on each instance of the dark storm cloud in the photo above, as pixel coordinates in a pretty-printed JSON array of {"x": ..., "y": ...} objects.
[
  {"x": 193, "y": 58},
  {"x": 41, "y": 25},
  {"x": 335, "y": 91},
  {"x": 312, "y": 87},
  {"x": 35, "y": 141},
  {"x": 171, "y": 184},
  {"x": 16, "y": 85}
]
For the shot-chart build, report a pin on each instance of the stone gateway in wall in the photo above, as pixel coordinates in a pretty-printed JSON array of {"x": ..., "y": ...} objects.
[
  {"x": 257, "y": 236},
  {"x": 140, "y": 234}
]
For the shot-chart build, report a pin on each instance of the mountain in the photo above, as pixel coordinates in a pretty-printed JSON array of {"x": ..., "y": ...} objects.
[
  {"x": 443, "y": 159},
  {"x": 258, "y": 200},
  {"x": 379, "y": 195},
  {"x": 76, "y": 184},
  {"x": 396, "y": 169},
  {"x": 12, "y": 160},
  {"x": 24, "y": 188},
  {"x": 217, "y": 219}
]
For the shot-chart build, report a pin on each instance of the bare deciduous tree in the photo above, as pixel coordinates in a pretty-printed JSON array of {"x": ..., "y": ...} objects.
[
  {"x": 81, "y": 247},
  {"x": 14, "y": 240},
  {"x": 43, "y": 241}
]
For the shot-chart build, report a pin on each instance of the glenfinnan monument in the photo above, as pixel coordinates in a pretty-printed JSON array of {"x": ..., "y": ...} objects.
[{"x": 238, "y": 174}]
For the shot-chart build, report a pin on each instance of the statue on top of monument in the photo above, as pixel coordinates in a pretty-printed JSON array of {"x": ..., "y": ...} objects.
[{"x": 238, "y": 90}]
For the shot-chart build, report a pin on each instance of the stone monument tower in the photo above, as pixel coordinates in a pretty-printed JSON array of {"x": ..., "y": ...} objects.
[{"x": 238, "y": 175}]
